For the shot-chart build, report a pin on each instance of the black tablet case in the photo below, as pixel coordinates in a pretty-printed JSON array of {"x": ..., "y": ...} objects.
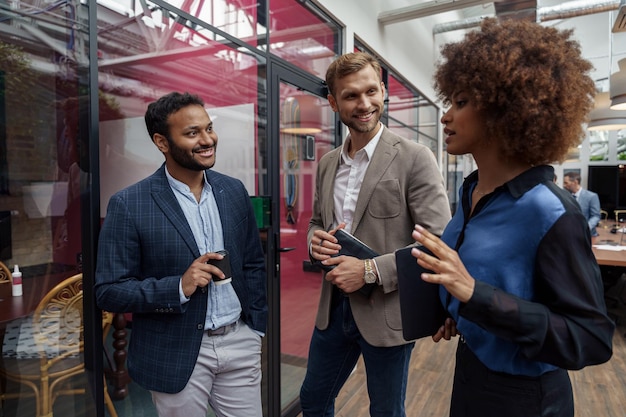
[
  {"x": 420, "y": 307},
  {"x": 351, "y": 246}
]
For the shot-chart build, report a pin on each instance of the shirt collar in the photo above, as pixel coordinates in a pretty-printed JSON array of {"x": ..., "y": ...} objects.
[
  {"x": 181, "y": 186},
  {"x": 520, "y": 184},
  {"x": 369, "y": 148}
]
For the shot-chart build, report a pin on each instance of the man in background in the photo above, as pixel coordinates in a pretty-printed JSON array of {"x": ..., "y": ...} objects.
[
  {"x": 377, "y": 186},
  {"x": 587, "y": 200}
]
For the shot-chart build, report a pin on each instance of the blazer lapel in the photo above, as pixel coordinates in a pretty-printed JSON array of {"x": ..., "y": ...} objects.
[
  {"x": 165, "y": 199},
  {"x": 384, "y": 154},
  {"x": 328, "y": 187},
  {"x": 220, "y": 200}
]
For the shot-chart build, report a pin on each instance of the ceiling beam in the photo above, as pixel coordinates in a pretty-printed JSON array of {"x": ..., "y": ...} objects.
[{"x": 426, "y": 9}]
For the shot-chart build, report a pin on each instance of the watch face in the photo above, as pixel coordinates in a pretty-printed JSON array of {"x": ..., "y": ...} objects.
[{"x": 370, "y": 278}]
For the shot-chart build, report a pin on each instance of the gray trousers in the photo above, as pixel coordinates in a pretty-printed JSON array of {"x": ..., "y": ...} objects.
[{"x": 227, "y": 376}]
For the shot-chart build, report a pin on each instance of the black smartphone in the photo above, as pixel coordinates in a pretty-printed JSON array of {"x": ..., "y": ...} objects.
[{"x": 224, "y": 265}]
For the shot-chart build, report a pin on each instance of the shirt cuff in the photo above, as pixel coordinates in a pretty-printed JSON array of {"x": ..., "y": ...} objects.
[
  {"x": 181, "y": 294},
  {"x": 378, "y": 280}
]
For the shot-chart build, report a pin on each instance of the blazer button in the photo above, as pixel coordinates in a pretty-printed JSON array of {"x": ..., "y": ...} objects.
[
  {"x": 200, "y": 326},
  {"x": 203, "y": 290}
]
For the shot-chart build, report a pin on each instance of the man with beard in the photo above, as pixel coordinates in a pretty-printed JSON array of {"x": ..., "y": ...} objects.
[
  {"x": 374, "y": 186},
  {"x": 194, "y": 343}
]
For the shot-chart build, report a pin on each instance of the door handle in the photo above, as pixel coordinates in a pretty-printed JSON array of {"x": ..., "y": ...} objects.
[{"x": 276, "y": 240}]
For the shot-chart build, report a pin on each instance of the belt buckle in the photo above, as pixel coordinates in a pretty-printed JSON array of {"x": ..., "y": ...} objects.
[
  {"x": 221, "y": 331},
  {"x": 217, "y": 332}
]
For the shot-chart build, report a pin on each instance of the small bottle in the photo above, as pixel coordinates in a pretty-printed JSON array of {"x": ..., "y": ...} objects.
[{"x": 16, "y": 288}]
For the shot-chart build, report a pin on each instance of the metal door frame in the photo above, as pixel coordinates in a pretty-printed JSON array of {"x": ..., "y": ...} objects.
[{"x": 278, "y": 72}]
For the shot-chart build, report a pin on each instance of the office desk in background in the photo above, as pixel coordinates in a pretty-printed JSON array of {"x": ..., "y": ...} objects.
[{"x": 609, "y": 257}]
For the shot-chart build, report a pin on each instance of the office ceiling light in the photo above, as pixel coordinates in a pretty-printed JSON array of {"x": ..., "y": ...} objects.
[
  {"x": 618, "y": 87},
  {"x": 563, "y": 10},
  {"x": 603, "y": 118},
  {"x": 425, "y": 9},
  {"x": 301, "y": 115},
  {"x": 517, "y": 9}
]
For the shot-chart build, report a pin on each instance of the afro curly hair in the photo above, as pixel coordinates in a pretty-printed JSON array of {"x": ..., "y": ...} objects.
[{"x": 529, "y": 81}]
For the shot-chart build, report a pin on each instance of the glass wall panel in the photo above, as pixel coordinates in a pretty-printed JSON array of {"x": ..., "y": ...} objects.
[
  {"x": 157, "y": 51},
  {"x": 243, "y": 19},
  {"x": 402, "y": 109},
  {"x": 302, "y": 37},
  {"x": 411, "y": 115},
  {"x": 621, "y": 144},
  {"x": 458, "y": 167},
  {"x": 136, "y": 73},
  {"x": 307, "y": 133},
  {"x": 145, "y": 50},
  {"x": 43, "y": 170},
  {"x": 429, "y": 124},
  {"x": 599, "y": 145}
]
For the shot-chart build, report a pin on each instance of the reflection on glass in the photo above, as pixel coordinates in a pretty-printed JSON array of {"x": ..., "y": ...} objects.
[
  {"x": 43, "y": 170},
  {"x": 239, "y": 19},
  {"x": 307, "y": 133},
  {"x": 144, "y": 52},
  {"x": 224, "y": 77},
  {"x": 145, "y": 58},
  {"x": 302, "y": 37},
  {"x": 411, "y": 115}
]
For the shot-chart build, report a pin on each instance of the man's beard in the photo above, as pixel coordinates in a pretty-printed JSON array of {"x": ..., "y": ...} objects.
[
  {"x": 360, "y": 126},
  {"x": 185, "y": 160}
]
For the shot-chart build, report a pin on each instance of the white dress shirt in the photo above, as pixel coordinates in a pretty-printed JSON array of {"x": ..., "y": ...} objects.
[
  {"x": 349, "y": 179},
  {"x": 348, "y": 182}
]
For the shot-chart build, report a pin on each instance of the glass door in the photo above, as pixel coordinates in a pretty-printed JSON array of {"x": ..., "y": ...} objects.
[{"x": 306, "y": 130}]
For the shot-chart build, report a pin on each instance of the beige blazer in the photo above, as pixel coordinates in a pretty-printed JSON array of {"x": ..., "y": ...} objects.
[{"x": 402, "y": 186}]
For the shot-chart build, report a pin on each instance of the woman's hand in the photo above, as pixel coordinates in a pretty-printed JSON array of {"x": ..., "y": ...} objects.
[
  {"x": 446, "y": 331},
  {"x": 448, "y": 269}
]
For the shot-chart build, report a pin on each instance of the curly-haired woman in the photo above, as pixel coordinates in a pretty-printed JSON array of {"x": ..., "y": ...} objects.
[{"x": 515, "y": 263}]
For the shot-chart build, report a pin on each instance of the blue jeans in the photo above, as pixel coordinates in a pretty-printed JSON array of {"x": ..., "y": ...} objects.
[{"x": 333, "y": 355}]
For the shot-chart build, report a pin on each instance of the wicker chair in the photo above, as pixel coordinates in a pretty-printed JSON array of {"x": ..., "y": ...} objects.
[
  {"x": 5, "y": 273},
  {"x": 57, "y": 350}
]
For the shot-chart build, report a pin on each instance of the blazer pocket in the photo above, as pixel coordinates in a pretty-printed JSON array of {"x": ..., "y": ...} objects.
[
  {"x": 392, "y": 310},
  {"x": 386, "y": 200}
]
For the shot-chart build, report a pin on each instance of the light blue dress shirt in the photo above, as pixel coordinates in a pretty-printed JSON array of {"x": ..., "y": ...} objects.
[{"x": 204, "y": 220}]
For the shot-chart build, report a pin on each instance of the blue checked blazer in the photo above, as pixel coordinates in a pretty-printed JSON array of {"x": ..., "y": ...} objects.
[{"x": 145, "y": 246}]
